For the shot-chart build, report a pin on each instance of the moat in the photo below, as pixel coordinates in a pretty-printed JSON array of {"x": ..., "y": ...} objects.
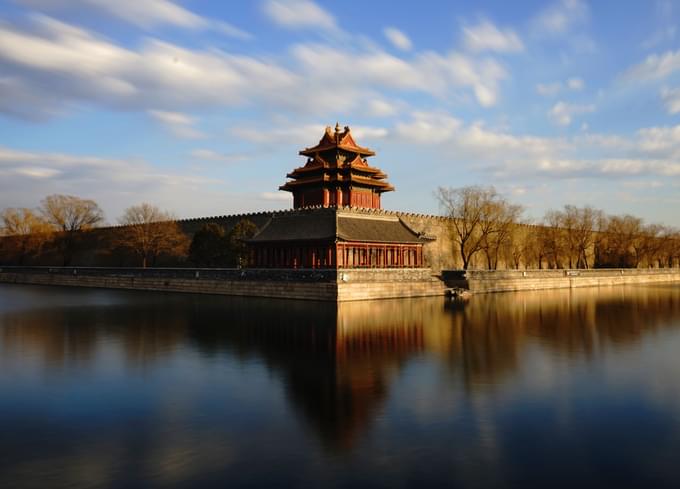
[{"x": 557, "y": 388}]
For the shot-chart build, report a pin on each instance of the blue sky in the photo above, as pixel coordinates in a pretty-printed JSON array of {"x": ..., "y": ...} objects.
[{"x": 200, "y": 107}]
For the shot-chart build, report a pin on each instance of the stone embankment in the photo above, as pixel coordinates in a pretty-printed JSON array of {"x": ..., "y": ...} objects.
[
  {"x": 481, "y": 281},
  {"x": 330, "y": 285},
  {"x": 307, "y": 284}
]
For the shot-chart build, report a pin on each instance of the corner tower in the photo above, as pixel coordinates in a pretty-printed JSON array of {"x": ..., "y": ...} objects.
[{"x": 337, "y": 174}]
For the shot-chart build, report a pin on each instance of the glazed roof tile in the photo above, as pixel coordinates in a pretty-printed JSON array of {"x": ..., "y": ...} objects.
[{"x": 325, "y": 224}]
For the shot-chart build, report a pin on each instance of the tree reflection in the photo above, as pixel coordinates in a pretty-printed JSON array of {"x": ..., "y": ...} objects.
[{"x": 337, "y": 363}]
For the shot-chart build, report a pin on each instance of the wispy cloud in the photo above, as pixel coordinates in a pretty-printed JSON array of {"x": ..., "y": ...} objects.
[
  {"x": 561, "y": 17},
  {"x": 562, "y": 113},
  {"x": 77, "y": 65},
  {"x": 671, "y": 99},
  {"x": 485, "y": 36},
  {"x": 299, "y": 134},
  {"x": 549, "y": 89},
  {"x": 27, "y": 176},
  {"x": 217, "y": 157},
  {"x": 428, "y": 128},
  {"x": 299, "y": 14},
  {"x": 52, "y": 65},
  {"x": 276, "y": 196},
  {"x": 427, "y": 72},
  {"x": 398, "y": 39},
  {"x": 146, "y": 14},
  {"x": 654, "y": 67},
  {"x": 181, "y": 125},
  {"x": 553, "y": 88}
]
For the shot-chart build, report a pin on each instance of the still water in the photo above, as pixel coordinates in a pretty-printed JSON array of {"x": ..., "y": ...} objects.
[{"x": 536, "y": 389}]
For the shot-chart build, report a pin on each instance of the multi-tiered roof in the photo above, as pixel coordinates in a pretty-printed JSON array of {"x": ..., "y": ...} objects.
[{"x": 337, "y": 174}]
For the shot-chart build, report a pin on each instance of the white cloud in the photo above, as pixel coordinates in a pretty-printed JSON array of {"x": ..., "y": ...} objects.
[
  {"x": 549, "y": 89},
  {"x": 146, "y": 14},
  {"x": 398, "y": 39},
  {"x": 181, "y": 125},
  {"x": 54, "y": 65},
  {"x": 560, "y": 18},
  {"x": 381, "y": 108},
  {"x": 368, "y": 133},
  {"x": 297, "y": 134},
  {"x": 671, "y": 99},
  {"x": 299, "y": 14},
  {"x": 216, "y": 157},
  {"x": 553, "y": 88},
  {"x": 300, "y": 134},
  {"x": 575, "y": 83},
  {"x": 427, "y": 72},
  {"x": 563, "y": 113},
  {"x": 660, "y": 36},
  {"x": 28, "y": 176},
  {"x": 654, "y": 67},
  {"x": 37, "y": 172},
  {"x": 276, "y": 196},
  {"x": 59, "y": 64},
  {"x": 661, "y": 141},
  {"x": 428, "y": 128},
  {"x": 653, "y": 151},
  {"x": 485, "y": 36}
]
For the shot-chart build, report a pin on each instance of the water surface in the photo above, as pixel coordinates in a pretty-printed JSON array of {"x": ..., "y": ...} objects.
[{"x": 534, "y": 389}]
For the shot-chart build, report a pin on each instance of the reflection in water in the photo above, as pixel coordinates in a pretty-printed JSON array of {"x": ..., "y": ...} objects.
[{"x": 118, "y": 388}]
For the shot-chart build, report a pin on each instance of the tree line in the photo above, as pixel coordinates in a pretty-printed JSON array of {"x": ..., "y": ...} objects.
[
  {"x": 488, "y": 231},
  {"x": 488, "y": 228},
  {"x": 143, "y": 230}
]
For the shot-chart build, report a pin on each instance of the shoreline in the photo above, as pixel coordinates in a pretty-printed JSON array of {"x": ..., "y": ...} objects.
[{"x": 334, "y": 285}]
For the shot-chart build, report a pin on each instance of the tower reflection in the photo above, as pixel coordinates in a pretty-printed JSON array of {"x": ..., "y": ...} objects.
[{"x": 337, "y": 362}]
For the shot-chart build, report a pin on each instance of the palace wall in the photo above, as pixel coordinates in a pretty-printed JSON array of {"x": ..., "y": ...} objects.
[{"x": 440, "y": 251}]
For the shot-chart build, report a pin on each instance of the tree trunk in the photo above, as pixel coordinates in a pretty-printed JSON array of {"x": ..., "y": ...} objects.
[{"x": 463, "y": 257}]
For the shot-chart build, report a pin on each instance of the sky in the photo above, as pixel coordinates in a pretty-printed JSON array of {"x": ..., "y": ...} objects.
[{"x": 200, "y": 107}]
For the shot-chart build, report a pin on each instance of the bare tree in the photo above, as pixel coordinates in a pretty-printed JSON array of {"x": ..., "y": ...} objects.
[
  {"x": 669, "y": 246},
  {"x": 579, "y": 226},
  {"x": 551, "y": 239},
  {"x": 150, "y": 232},
  {"x": 502, "y": 220},
  {"x": 478, "y": 214},
  {"x": 623, "y": 241},
  {"x": 529, "y": 246},
  {"x": 651, "y": 243},
  {"x": 70, "y": 215},
  {"x": 28, "y": 231}
]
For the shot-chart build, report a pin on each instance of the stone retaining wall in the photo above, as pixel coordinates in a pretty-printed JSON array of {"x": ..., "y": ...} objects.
[
  {"x": 330, "y": 285},
  {"x": 320, "y": 285},
  {"x": 480, "y": 281}
]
